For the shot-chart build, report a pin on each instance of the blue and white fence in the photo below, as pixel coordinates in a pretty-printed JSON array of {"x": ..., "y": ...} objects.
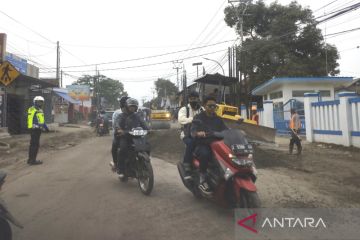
[
  {"x": 266, "y": 114},
  {"x": 260, "y": 112},
  {"x": 333, "y": 121},
  {"x": 355, "y": 124}
]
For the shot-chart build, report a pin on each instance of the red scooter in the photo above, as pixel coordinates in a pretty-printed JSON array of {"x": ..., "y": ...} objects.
[{"x": 231, "y": 172}]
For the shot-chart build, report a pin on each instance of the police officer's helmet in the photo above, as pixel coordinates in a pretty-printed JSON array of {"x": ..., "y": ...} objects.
[
  {"x": 39, "y": 99},
  {"x": 132, "y": 102},
  {"x": 123, "y": 101}
]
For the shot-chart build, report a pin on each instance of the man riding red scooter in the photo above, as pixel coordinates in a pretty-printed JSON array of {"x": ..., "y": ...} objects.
[{"x": 223, "y": 167}]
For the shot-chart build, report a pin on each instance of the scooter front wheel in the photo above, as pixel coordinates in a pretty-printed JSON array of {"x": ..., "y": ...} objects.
[
  {"x": 145, "y": 174},
  {"x": 5, "y": 230},
  {"x": 248, "y": 199}
]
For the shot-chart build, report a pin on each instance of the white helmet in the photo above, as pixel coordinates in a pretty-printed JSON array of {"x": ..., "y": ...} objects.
[{"x": 39, "y": 98}]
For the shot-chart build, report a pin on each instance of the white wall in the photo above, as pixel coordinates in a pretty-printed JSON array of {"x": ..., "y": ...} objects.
[
  {"x": 287, "y": 90},
  {"x": 335, "y": 122}
]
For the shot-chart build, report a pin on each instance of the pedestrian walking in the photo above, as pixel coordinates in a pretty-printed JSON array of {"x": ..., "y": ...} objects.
[
  {"x": 295, "y": 125},
  {"x": 36, "y": 122}
]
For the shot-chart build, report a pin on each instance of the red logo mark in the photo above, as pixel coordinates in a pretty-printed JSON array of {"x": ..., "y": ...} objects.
[{"x": 242, "y": 223}]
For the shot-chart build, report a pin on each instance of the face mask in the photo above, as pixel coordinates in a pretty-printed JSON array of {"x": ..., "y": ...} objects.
[{"x": 194, "y": 105}]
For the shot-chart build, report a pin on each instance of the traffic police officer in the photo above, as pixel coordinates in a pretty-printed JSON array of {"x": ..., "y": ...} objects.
[{"x": 36, "y": 122}]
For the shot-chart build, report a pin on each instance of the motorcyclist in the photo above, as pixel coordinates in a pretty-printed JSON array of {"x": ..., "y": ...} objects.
[
  {"x": 115, "y": 119},
  {"x": 127, "y": 121},
  {"x": 185, "y": 117},
  {"x": 204, "y": 123},
  {"x": 102, "y": 117}
]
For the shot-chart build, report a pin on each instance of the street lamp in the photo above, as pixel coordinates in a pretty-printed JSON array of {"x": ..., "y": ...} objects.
[
  {"x": 220, "y": 78},
  {"x": 197, "y": 68},
  {"x": 217, "y": 63}
]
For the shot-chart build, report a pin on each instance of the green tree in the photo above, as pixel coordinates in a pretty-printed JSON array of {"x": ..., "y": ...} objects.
[
  {"x": 104, "y": 87},
  {"x": 281, "y": 41},
  {"x": 165, "y": 88}
]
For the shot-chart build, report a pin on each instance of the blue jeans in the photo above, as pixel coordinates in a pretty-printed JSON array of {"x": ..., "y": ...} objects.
[{"x": 190, "y": 146}]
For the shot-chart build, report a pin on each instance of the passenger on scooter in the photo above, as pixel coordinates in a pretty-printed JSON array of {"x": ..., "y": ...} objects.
[
  {"x": 203, "y": 124},
  {"x": 127, "y": 121},
  {"x": 185, "y": 117},
  {"x": 115, "y": 122}
]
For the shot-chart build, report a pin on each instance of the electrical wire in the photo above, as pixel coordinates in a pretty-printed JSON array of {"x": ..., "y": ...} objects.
[{"x": 147, "y": 57}]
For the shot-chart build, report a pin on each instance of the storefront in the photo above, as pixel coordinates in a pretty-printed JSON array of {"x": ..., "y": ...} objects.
[{"x": 17, "y": 97}]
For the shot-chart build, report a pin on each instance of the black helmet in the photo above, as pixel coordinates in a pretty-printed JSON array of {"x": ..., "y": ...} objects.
[
  {"x": 132, "y": 102},
  {"x": 123, "y": 101},
  {"x": 193, "y": 94}
]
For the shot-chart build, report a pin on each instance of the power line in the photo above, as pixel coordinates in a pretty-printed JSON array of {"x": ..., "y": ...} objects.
[
  {"x": 33, "y": 31},
  {"x": 147, "y": 65},
  {"x": 147, "y": 57},
  {"x": 325, "y": 6},
  {"x": 343, "y": 32}
]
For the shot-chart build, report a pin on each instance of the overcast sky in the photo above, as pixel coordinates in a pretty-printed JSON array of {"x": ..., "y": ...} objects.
[{"x": 94, "y": 32}]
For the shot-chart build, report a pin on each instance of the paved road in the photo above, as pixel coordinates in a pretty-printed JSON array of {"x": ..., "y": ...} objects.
[{"x": 75, "y": 196}]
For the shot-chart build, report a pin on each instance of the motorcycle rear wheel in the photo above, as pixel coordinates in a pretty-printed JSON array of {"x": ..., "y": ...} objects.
[
  {"x": 248, "y": 199},
  {"x": 146, "y": 175}
]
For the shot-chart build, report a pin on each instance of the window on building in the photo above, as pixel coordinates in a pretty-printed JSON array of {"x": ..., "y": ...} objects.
[
  {"x": 276, "y": 95},
  {"x": 325, "y": 93},
  {"x": 300, "y": 93},
  {"x": 265, "y": 97}
]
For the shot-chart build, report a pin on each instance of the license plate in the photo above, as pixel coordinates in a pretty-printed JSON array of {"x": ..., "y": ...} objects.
[{"x": 101, "y": 125}]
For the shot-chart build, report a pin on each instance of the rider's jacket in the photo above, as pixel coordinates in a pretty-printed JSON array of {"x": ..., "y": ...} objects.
[
  {"x": 128, "y": 121},
  {"x": 207, "y": 124}
]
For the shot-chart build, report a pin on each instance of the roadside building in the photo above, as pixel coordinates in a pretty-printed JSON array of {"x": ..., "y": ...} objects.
[
  {"x": 288, "y": 92},
  {"x": 17, "y": 97},
  {"x": 63, "y": 106}
]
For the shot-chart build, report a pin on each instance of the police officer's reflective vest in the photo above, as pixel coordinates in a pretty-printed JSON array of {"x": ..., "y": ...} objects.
[{"x": 39, "y": 114}]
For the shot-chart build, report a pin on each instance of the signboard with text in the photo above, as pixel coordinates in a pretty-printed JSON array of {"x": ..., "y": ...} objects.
[{"x": 79, "y": 92}]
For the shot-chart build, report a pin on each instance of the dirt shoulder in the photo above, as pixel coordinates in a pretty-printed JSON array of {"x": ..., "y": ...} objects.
[
  {"x": 59, "y": 138},
  {"x": 330, "y": 172},
  {"x": 324, "y": 176}
]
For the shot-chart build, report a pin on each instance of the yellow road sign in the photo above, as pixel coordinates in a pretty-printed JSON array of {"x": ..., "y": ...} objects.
[{"x": 8, "y": 73}]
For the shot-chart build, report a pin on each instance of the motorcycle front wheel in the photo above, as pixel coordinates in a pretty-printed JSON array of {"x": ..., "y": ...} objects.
[
  {"x": 5, "y": 230},
  {"x": 145, "y": 174},
  {"x": 249, "y": 199}
]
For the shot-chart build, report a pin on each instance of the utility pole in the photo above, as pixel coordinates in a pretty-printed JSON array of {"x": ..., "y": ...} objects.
[
  {"x": 177, "y": 66},
  {"x": 61, "y": 78},
  {"x": 230, "y": 62},
  {"x": 58, "y": 61},
  {"x": 241, "y": 22},
  {"x": 184, "y": 82}
]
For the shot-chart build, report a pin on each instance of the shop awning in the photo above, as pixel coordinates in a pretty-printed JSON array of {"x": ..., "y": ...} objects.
[{"x": 65, "y": 96}]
